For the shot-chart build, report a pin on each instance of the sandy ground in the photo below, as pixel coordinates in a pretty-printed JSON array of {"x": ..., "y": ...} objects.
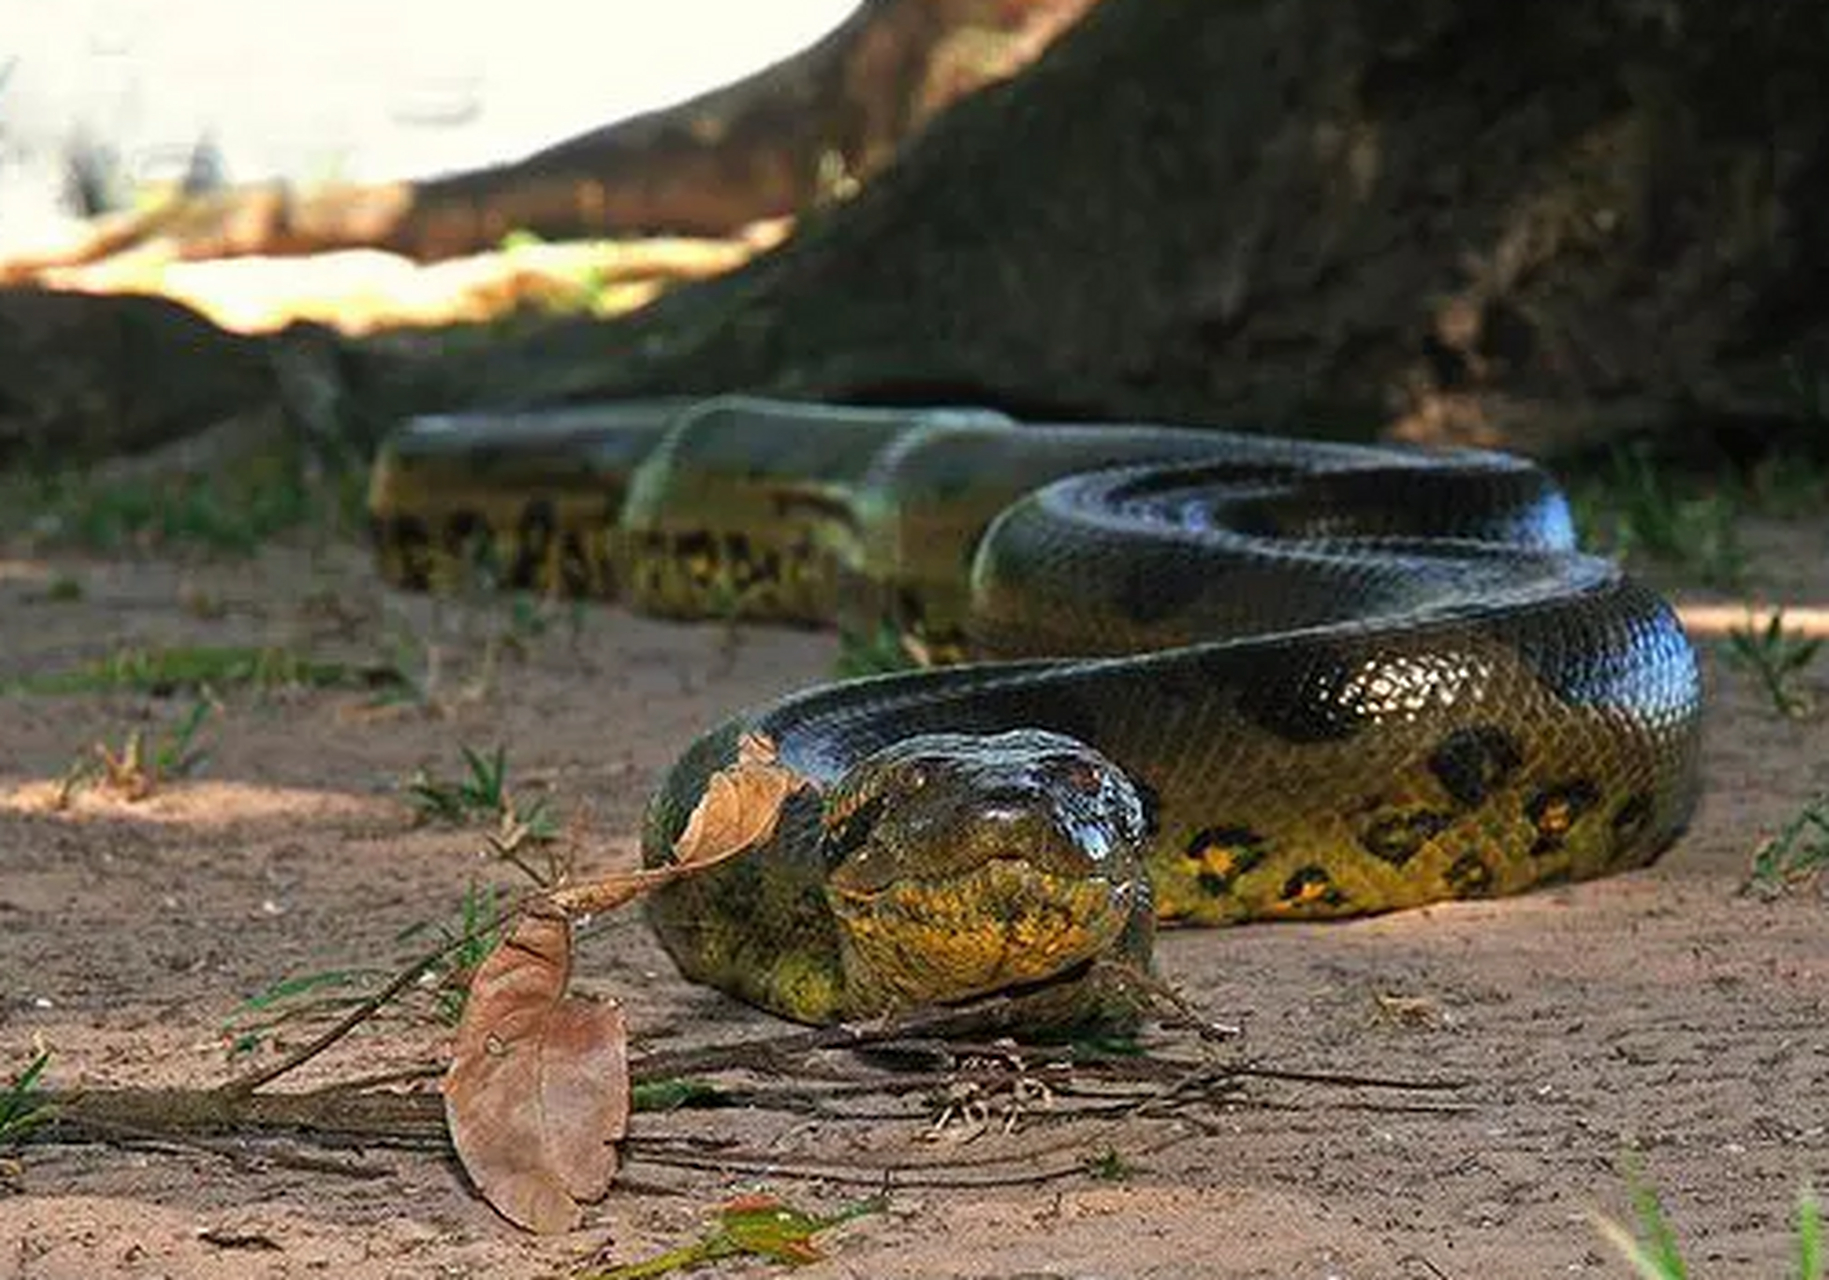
[{"x": 1663, "y": 1012}]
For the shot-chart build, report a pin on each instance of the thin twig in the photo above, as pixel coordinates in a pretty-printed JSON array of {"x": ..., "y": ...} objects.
[
  {"x": 990, "y": 1172},
  {"x": 381, "y": 1079},
  {"x": 996, "y": 1013},
  {"x": 1347, "y": 1080},
  {"x": 235, "y": 1152},
  {"x": 326, "y": 1115},
  {"x": 1181, "y": 1012},
  {"x": 365, "y": 1009}
]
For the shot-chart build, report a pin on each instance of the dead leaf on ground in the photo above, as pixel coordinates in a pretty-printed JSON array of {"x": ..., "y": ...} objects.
[
  {"x": 741, "y": 804},
  {"x": 739, "y": 810},
  {"x": 538, "y": 1089}
]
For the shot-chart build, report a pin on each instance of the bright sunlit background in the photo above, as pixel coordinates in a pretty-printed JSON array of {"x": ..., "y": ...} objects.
[{"x": 349, "y": 89}]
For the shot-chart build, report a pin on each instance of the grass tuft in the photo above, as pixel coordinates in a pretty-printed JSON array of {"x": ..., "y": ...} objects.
[
  {"x": 22, "y": 1106},
  {"x": 1655, "y": 1255},
  {"x": 1795, "y": 857},
  {"x": 162, "y": 672},
  {"x": 472, "y": 937},
  {"x": 140, "y": 765},
  {"x": 1637, "y": 509},
  {"x": 482, "y": 794},
  {"x": 232, "y": 509},
  {"x": 1110, "y": 1166},
  {"x": 1778, "y": 659},
  {"x": 484, "y": 789}
]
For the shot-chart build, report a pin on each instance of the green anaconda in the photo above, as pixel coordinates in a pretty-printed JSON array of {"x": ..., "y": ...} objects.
[{"x": 1214, "y": 677}]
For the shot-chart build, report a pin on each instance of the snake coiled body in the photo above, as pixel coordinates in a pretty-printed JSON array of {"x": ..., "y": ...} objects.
[{"x": 1215, "y": 677}]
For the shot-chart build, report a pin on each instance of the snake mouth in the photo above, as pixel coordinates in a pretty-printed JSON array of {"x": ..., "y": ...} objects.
[
  {"x": 1004, "y": 924},
  {"x": 962, "y": 865}
]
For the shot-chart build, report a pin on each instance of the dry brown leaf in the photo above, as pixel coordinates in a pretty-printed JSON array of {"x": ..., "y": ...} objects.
[
  {"x": 739, "y": 810},
  {"x": 538, "y": 1089},
  {"x": 741, "y": 805},
  {"x": 606, "y": 893}
]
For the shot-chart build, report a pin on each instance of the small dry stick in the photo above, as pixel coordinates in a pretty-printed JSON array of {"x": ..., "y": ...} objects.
[{"x": 246, "y": 1084}]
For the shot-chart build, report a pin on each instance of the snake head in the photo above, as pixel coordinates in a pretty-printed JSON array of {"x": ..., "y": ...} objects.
[{"x": 961, "y": 865}]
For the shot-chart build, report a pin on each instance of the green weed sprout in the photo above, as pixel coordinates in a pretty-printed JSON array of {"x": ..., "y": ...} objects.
[
  {"x": 1654, "y": 1254},
  {"x": 1777, "y": 657},
  {"x": 22, "y": 1105},
  {"x": 1796, "y": 855}
]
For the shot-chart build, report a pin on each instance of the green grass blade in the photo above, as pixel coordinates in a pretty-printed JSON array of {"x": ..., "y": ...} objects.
[
  {"x": 306, "y": 984},
  {"x": 1642, "y": 1260},
  {"x": 20, "y": 1104},
  {"x": 1662, "y": 1240},
  {"x": 1809, "y": 1236}
]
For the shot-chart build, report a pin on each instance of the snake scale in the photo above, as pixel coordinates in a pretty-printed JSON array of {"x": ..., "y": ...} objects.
[{"x": 1213, "y": 677}]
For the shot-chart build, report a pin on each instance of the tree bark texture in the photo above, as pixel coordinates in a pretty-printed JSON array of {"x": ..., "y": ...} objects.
[
  {"x": 1443, "y": 218},
  {"x": 794, "y": 134}
]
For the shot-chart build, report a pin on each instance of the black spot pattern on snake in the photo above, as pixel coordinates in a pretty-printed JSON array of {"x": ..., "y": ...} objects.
[
  {"x": 470, "y": 540},
  {"x": 943, "y": 646},
  {"x": 462, "y": 528},
  {"x": 747, "y": 566},
  {"x": 917, "y": 634},
  {"x": 533, "y": 542},
  {"x": 1221, "y": 854},
  {"x": 651, "y": 565},
  {"x": 1469, "y": 876},
  {"x": 1471, "y": 763},
  {"x": 697, "y": 554},
  {"x": 801, "y": 566},
  {"x": 576, "y": 576},
  {"x": 1397, "y": 837},
  {"x": 1554, "y": 810},
  {"x": 412, "y": 543},
  {"x": 1311, "y": 886}
]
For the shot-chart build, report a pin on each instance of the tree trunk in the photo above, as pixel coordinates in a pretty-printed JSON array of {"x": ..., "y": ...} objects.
[
  {"x": 805, "y": 130},
  {"x": 1436, "y": 218},
  {"x": 1447, "y": 218},
  {"x": 788, "y": 138}
]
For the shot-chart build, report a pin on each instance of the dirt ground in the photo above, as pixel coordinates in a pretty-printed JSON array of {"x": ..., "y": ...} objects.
[{"x": 1663, "y": 1013}]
